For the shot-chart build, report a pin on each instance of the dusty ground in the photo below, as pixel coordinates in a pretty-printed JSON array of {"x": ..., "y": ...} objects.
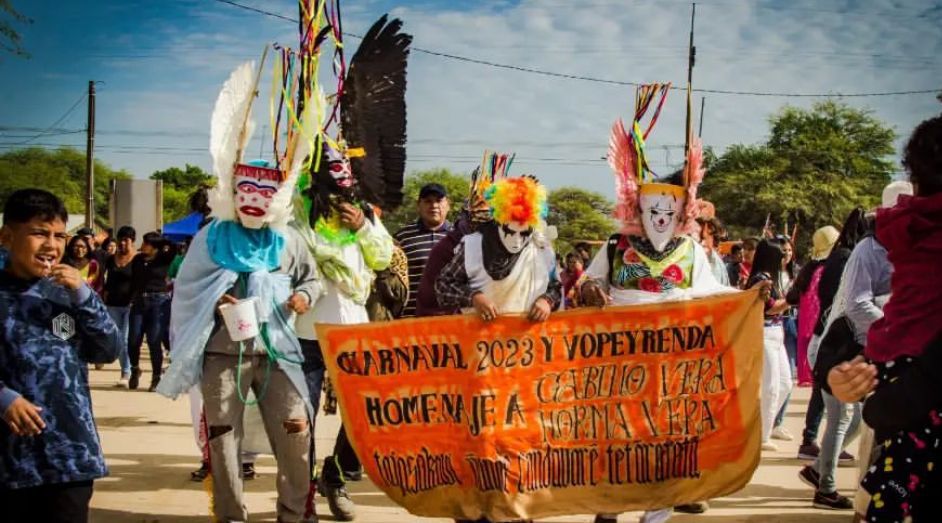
[{"x": 149, "y": 446}]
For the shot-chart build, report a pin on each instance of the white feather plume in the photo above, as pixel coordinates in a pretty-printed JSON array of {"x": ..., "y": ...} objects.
[{"x": 230, "y": 130}]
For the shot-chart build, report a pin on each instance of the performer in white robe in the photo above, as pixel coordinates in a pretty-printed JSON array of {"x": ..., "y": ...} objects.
[{"x": 653, "y": 259}]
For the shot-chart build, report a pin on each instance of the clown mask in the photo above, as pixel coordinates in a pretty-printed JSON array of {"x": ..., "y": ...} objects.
[
  {"x": 661, "y": 212},
  {"x": 339, "y": 168},
  {"x": 255, "y": 187},
  {"x": 514, "y": 236},
  {"x": 341, "y": 173}
]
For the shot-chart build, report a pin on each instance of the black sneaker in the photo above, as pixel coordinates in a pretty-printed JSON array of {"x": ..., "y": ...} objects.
[
  {"x": 832, "y": 501},
  {"x": 605, "y": 519},
  {"x": 200, "y": 473},
  {"x": 846, "y": 459},
  {"x": 248, "y": 471},
  {"x": 809, "y": 476},
  {"x": 809, "y": 451},
  {"x": 692, "y": 508}
]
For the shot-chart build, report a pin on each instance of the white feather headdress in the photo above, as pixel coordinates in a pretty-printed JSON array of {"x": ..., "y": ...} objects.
[{"x": 230, "y": 131}]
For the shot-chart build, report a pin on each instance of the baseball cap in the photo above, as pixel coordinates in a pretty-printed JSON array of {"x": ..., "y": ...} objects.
[{"x": 431, "y": 189}]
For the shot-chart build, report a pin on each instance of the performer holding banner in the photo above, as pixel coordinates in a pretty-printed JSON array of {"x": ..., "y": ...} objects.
[
  {"x": 501, "y": 268},
  {"x": 653, "y": 259}
]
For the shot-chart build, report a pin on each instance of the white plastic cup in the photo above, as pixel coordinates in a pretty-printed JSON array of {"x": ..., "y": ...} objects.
[{"x": 241, "y": 319}]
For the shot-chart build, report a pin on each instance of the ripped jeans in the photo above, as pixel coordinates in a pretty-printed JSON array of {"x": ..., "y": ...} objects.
[{"x": 286, "y": 423}]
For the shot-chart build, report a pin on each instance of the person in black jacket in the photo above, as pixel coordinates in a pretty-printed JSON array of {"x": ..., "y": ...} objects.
[{"x": 150, "y": 295}]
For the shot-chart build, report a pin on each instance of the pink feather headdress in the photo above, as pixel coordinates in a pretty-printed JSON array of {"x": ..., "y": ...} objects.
[
  {"x": 693, "y": 175},
  {"x": 626, "y": 157},
  {"x": 624, "y": 161}
]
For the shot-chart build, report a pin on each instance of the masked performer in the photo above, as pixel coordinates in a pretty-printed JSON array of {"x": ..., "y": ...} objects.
[
  {"x": 652, "y": 259},
  {"x": 475, "y": 212},
  {"x": 504, "y": 267},
  {"x": 359, "y": 172},
  {"x": 247, "y": 252}
]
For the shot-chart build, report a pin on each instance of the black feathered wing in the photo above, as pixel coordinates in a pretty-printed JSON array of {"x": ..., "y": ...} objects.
[{"x": 373, "y": 113}]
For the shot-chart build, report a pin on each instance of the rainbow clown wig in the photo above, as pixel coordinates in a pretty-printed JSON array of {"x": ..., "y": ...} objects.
[{"x": 519, "y": 200}]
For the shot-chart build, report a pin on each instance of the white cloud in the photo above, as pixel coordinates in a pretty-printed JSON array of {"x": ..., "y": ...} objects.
[{"x": 456, "y": 108}]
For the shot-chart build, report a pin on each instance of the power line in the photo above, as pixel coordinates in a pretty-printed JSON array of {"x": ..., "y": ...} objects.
[
  {"x": 57, "y": 122},
  {"x": 567, "y": 76}
]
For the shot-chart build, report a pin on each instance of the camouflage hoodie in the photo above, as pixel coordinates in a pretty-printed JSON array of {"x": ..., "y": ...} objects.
[{"x": 47, "y": 338}]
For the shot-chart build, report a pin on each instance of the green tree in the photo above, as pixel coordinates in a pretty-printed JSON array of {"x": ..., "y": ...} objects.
[
  {"x": 815, "y": 167},
  {"x": 457, "y": 186},
  {"x": 579, "y": 215},
  {"x": 9, "y": 36},
  {"x": 178, "y": 185},
  {"x": 61, "y": 172}
]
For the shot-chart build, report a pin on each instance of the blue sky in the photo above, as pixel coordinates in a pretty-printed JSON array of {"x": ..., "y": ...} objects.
[{"x": 162, "y": 62}]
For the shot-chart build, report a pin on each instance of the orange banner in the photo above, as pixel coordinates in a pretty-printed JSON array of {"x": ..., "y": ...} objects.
[{"x": 609, "y": 410}]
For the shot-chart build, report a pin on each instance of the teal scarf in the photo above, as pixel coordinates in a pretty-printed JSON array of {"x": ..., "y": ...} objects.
[{"x": 239, "y": 249}]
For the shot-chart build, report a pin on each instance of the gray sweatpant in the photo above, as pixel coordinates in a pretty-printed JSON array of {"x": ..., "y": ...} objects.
[{"x": 286, "y": 423}]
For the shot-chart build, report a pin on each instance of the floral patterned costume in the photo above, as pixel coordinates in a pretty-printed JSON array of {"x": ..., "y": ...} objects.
[{"x": 632, "y": 272}]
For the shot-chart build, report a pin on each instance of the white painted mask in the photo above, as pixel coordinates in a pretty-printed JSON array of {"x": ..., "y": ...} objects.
[
  {"x": 339, "y": 169},
  {"x": 661, "y": 212},
  {"x": 255, "y": 187},
  {"x": 514, "y": 236}
]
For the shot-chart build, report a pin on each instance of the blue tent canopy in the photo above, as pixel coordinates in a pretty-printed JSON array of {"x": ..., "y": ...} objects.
[{"x": 183, "y": 228}]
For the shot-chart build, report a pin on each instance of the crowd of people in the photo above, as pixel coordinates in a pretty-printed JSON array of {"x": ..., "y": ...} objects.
[{"x": 855, "y": 319}]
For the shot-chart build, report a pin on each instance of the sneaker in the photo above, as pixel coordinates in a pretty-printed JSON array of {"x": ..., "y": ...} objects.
[
  {"x": 693, "y": 508},
  {"x": 832, "y": 501},
  {"x": 768, "y": 445},
  {"x": 341, "y": 506},
  {"x": 846, "y": 459},
  {"x": 200, "y": 473},
  {"x": 781, "y": 433},
  {"x": 123, "y": 382},
  {"x": 248, "y": 471},
  {"x": 135, "y": 379},
  {"x": 605, "y": 519},
  {"x": 153, "y": 384},
  {"x": 809, "y": 476},
  {"x": 809, "y": 451}
]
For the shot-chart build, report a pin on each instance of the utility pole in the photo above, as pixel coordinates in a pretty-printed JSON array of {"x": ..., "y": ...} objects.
[
  {"x": 691, "y": 58},
  {"x": 90, "y": 159},
  {"x": 702, "y": 105}
]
